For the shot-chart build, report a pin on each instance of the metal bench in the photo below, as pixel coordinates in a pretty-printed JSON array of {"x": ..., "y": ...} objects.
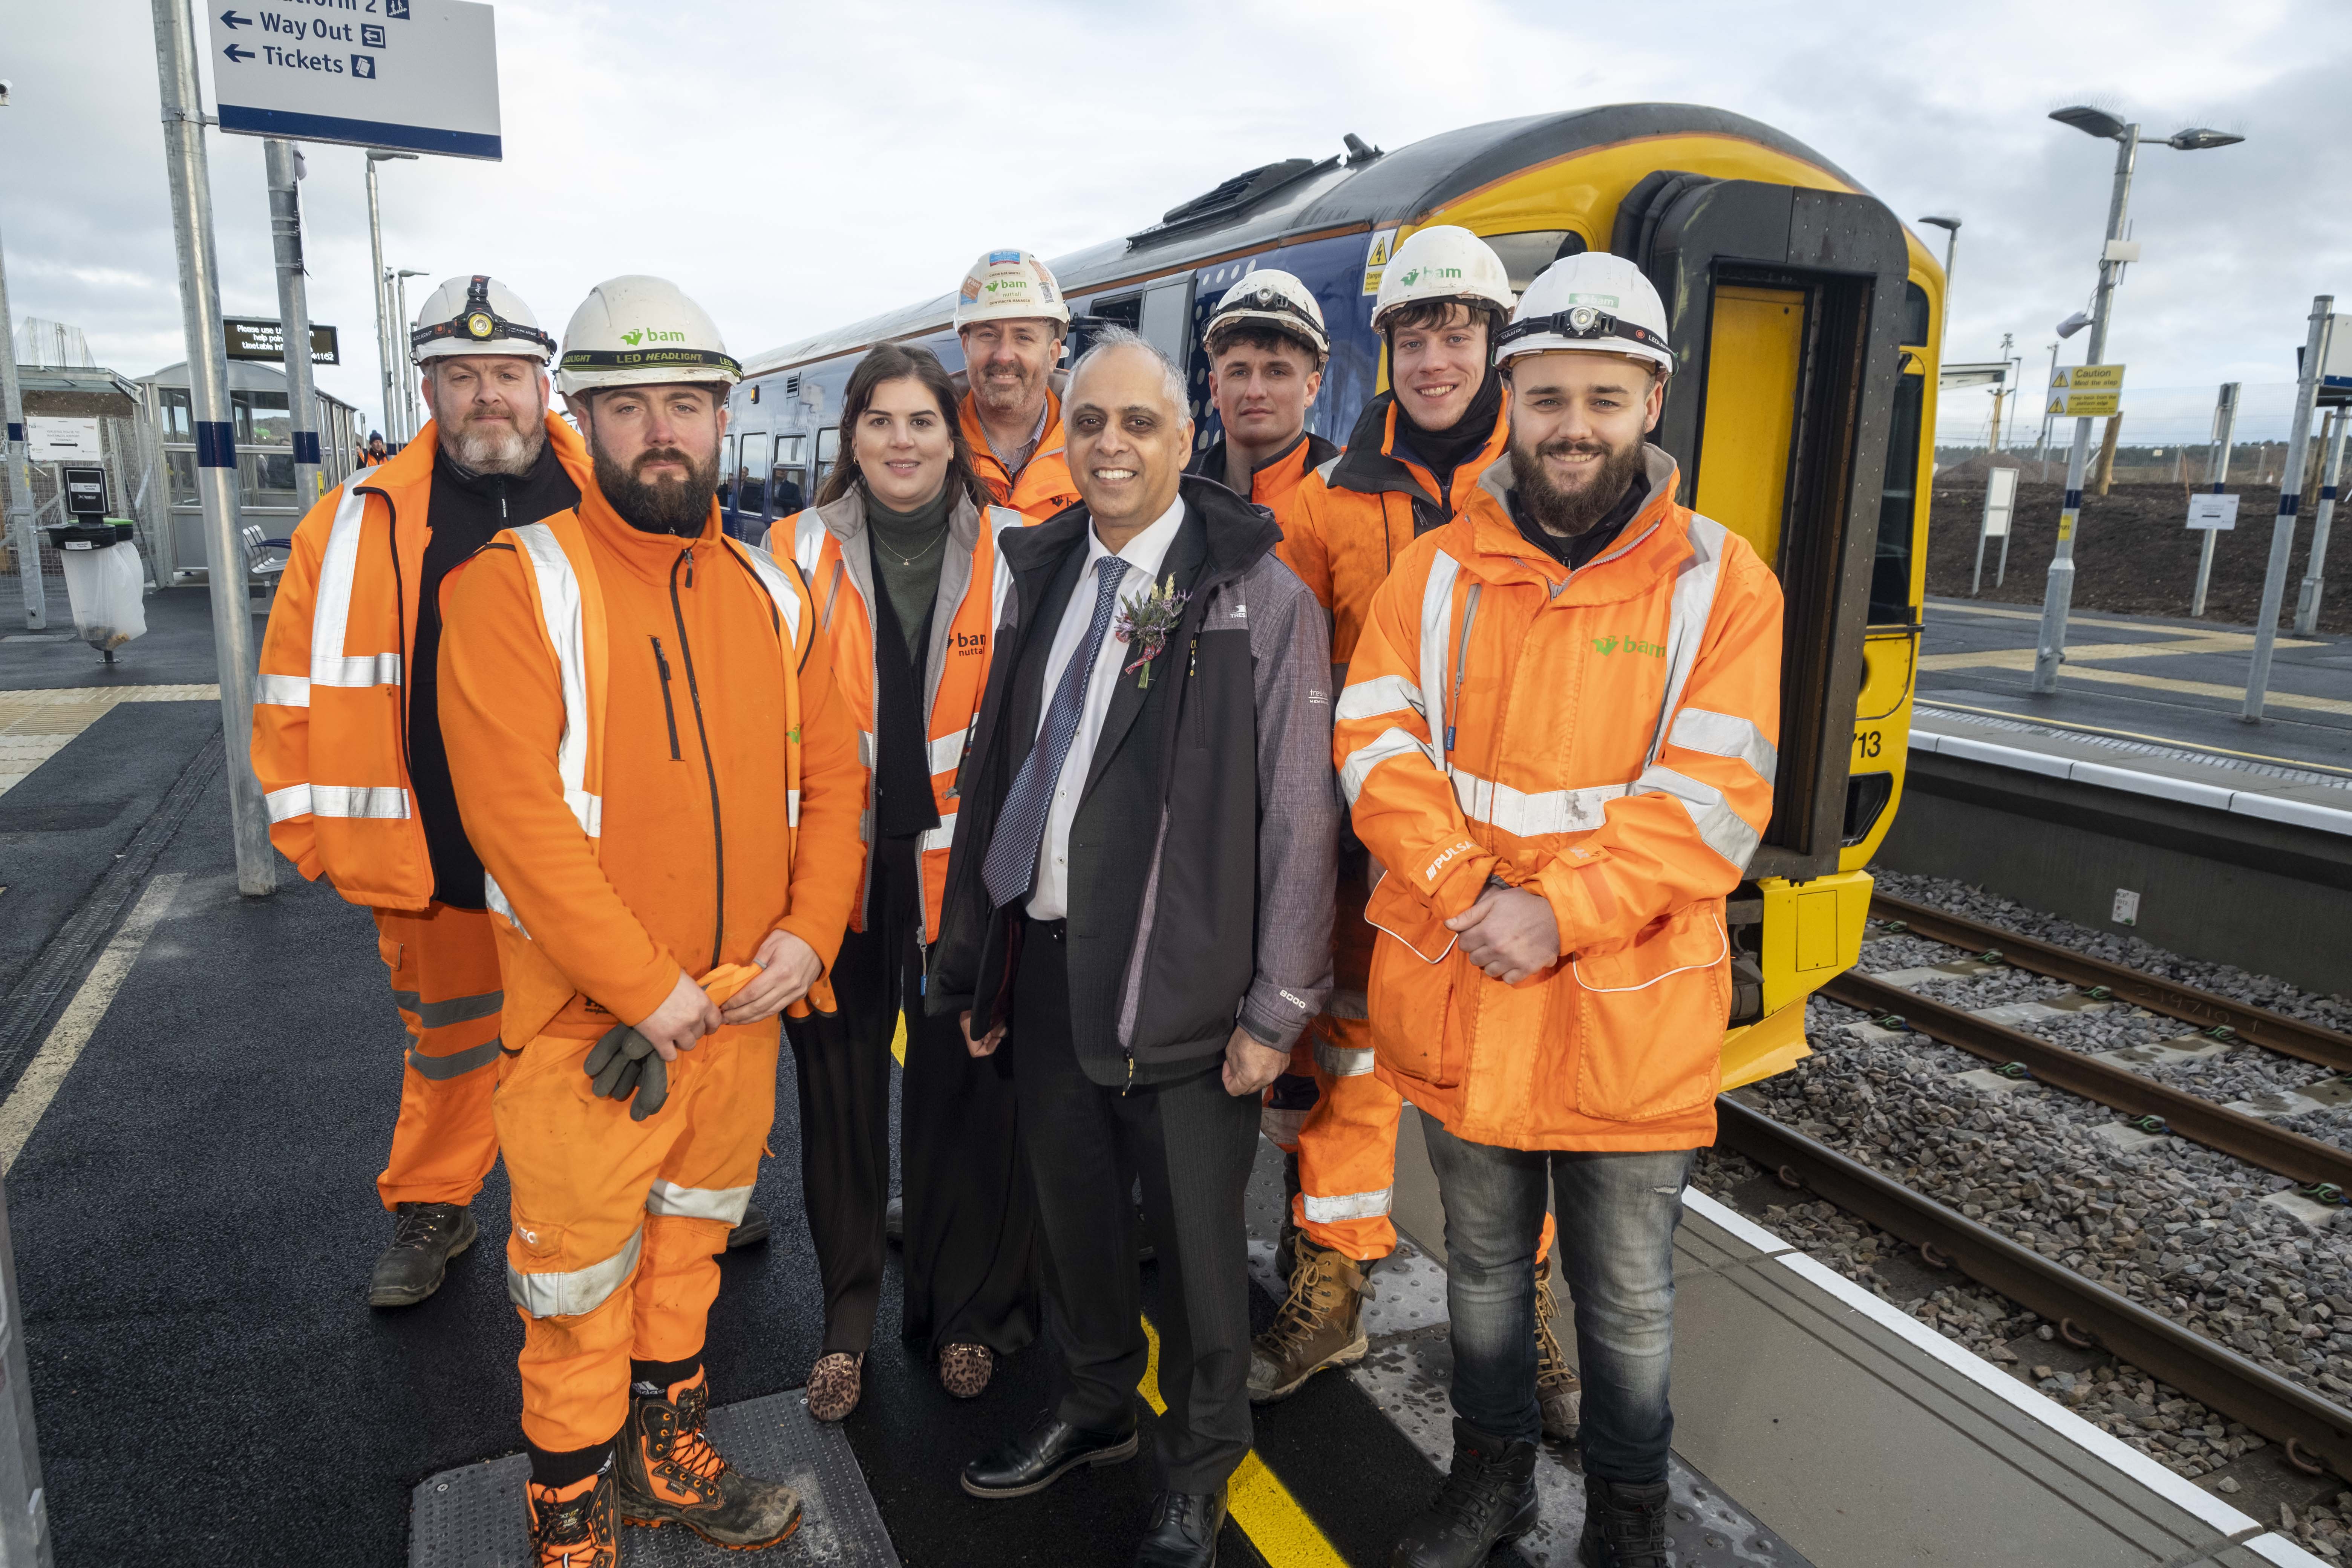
[{"x": 265, "y": 563}]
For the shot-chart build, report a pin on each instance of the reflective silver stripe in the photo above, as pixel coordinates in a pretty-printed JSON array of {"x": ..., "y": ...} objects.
[
  {"x": 674, "y": 1202},
  {"x": 1003, "y": 519},
  {"x": 360, "y": 671},
  {"x": 339, "y": 566},
  {"x": 1725, "y": 735},
  {"x": 282, "y": 690},
  {"x": 495, "y": 899},
  {"x": 560, "y": 608},
  {"x": 808, "y": 542},
  {"x": 947, "y": 751},
  {"x": 456, "y": 1063},
  {"x": 1340, "y": 1062},
  {"x": 939, "y": 838},
  {"x": 1380, "y": 695},
  {"x": 1344, "y": 1004},
  {"x": 780, "y": 588},
  {"x": 1525, "y": 815},
  {"x": 1686, "y": 618},
  {"x": 1371, "y": 755},
  {"x": 1436, "y": 650},
  {"x": 456, "y": 1010},
  {"x": 864, "y": 748},
  {"x": 292, "y": 801},
  {"x": 374, "y": 802},
  {"x": 1721, "y": 828},
  {"x": 582, "y": 1291},
  {"x": 792, "y": 808},
  {"x": 1349, "y": 1206}
]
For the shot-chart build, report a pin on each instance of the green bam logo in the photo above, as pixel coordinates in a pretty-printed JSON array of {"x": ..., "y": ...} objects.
[
  {"x": 633, "y": 337},
  {"x": 1606, "y": 645}
]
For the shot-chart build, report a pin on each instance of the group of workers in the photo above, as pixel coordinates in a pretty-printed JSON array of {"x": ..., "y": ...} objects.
[{"x": 1166, "y": 793}]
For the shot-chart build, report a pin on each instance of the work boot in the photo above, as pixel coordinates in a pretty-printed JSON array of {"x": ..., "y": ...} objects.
[
  {"x": 573, "y": 1526},
  {"x": 424, "y": 1237},
  {"x": 1559, "y": 1391},
  {"x": 1489, "y": 1499},
  {"x": 1320, "y": 1324},
  {"x": 669, "y": 1473},
  {"x": 1624, "y": 1525},
  {"x": 751, "y": 1230}
]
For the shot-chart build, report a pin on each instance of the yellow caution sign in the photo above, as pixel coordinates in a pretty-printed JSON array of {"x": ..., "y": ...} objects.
[
  {"x": 2088, "y": 378},
  {"x": 2086, "y": 404},
  {"x": 1376, "y": 257}
]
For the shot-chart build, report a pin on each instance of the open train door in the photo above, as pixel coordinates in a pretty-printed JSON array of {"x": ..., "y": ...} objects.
[{"x": 1785, "y": 307}]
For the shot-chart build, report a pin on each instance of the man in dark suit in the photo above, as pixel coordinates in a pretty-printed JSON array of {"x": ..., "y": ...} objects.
[{"x": 1141, "y": 891}]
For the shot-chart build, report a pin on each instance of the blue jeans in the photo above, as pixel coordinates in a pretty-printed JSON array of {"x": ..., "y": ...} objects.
[{"x": 1616, "y": 1214}]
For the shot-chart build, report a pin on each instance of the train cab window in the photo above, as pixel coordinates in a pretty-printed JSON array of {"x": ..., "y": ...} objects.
[
  {"x": 1526, "y": 255},
  {"x": 1915, "y": 314},
  {"x": 1890, "y": 572},
  {"x": 728, "y": 445},
  {"x": 1126, "y": 310},
  {"x": 751, "y": 476},
  {"x": 828, "y": 452}
]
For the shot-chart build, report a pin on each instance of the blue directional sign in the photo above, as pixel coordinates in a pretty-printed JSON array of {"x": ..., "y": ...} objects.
[{"x": 418, "y": 75}]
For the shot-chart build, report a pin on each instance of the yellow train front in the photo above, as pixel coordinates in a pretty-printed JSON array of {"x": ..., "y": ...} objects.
[{"x": 1805, "y": 317}]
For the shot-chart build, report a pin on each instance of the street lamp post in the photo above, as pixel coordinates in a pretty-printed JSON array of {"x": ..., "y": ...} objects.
[
  {"x": 410, "y": 424},
  {"x": 382, "y": 327},
  {"x": 2058, "y": 596}
]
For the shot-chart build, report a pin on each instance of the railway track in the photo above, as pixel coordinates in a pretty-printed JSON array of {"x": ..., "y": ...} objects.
[{"x": 2315, "y": 1433}]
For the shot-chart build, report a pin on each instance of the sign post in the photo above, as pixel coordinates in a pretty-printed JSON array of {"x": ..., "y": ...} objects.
[
  {"x": 283, "y": 164},
  {"x": 2298, "y": 451},
  {"x": 2081, "y": 392},
  {"x": 2217, "y": 474},
  {"x": 2001, "y": 503},
  {"x": 2335, "y": 388},
  {"x": 20, "y": 472}
]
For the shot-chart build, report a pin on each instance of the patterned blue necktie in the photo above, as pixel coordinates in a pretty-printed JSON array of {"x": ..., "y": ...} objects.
[{"x": 1011, "y": 869}]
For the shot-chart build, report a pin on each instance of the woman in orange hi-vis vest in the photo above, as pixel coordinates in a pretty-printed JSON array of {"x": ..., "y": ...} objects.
[{"x": 900, "y": 555}]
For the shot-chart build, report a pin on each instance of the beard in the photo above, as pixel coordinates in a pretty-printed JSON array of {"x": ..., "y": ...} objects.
[
  {"x": 1006, "y": 398},
  {"x": 1568, "y": 512},
  {"x": 494, "y": 447},
  {"x": 680, "y": 507}
]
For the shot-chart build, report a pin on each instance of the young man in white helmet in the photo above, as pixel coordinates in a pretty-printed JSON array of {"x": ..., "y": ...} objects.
[
  {"x": 1011, "y": 318},
  {"x": 347, "y": 736},
  {"x": 648, "y": 747},
  {"x": 1559, "y": 736},
  {"x": 1266, "y": 347},
  {"x": 1415, "y": 451}
]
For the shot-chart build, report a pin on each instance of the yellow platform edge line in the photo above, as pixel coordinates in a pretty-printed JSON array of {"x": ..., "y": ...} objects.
[{"x": 1280, "y": 1530}]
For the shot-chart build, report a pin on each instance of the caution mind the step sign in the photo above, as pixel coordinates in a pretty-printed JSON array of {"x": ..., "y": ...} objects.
[
  {"x": 418, "y": 75},
  {"x": 2088, "y": 378}
]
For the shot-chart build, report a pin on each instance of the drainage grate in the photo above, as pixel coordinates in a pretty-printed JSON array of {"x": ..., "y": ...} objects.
[{"x": 472, "y": 1517}]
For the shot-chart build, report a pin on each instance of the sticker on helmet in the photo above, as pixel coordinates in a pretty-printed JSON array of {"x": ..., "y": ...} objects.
[
  {"x": 1606, "y": 301},
  {"x": 1001, "y": 257}
]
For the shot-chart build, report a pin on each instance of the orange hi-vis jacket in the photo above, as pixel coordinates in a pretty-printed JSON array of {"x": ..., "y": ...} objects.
[
  {"x": 1276, "y": 483},
  {"x": 1043, "y": 486},
  {"x": 650, "y": 754},
  {"x": 828, "y": 543},
  {"x": 330, "y": 704},
  {"x": 1605, "y": 739},
  {"x": 1354, "y": 515}
]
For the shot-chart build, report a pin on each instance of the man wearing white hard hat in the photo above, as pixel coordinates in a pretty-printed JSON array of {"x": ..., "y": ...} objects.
[
  {"x": 1266, "y": 347},
  {"x": 347, "y": 736},
  {"x": 648, "y": 748},
  {"x": 1558, "y": 735},
  {"x": 1010, "y": 318}
]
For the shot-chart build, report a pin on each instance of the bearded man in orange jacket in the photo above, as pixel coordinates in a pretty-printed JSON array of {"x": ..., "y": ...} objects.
[
  {"x": 1558, "y": 738},
  {"x": 665, "y": 785}
]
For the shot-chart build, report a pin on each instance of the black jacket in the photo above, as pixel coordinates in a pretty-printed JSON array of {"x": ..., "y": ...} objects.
[{"x": 1200, "y": 859}]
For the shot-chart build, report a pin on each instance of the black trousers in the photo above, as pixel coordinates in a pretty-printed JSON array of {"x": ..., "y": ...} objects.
[
  {"x": 1190, "y": 1144},
  {"x": 971, "y": 1266}
]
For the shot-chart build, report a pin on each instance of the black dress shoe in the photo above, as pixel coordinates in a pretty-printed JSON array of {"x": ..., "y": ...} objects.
[
  {"x": 1042, "y": 1456},
  {"x": 1183, "y": 1531}
]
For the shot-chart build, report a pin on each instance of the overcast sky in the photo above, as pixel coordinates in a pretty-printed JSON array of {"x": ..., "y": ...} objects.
[{"x": 795, "y": 167}]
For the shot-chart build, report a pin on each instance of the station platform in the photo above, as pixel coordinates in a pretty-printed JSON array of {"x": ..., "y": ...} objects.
[{"x": 196, "y": 1090}]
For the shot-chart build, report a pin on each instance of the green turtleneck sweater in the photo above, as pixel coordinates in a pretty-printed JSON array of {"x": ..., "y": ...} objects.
[{"x": 908, "y": 548}]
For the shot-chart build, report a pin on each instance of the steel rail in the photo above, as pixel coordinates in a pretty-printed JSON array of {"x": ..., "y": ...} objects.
[
  {"x": 2295, "y": 1037},
  {"x": 2314, "y": 1430},
  {"x": 2233, "y": 1132}
]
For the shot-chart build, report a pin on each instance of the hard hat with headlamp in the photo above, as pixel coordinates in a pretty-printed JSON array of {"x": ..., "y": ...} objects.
[
  {"x": 477, "y": 315},
  {"x": 1278, "y": 300},
  {"x": 641, "y": 331},
  {"x": 1441, "y": 262},
  {"x": 1591, "y": 303}
]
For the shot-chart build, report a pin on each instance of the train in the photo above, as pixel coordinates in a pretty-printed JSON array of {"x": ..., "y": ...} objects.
[{"x": 1806, "y": 318}]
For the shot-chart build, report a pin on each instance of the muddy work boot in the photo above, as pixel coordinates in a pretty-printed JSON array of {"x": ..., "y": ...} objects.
[
  {"x": 669, "y": 1473},
  {"x": 424, "y": 1237},
  {"x": 575, "y": 1526},
  {"x": 1624, "y": 1525},
  {"x": 1321, "y": 1324},
  {"x": 1559, "y": 1391},
  {"x": 1489, "y": 1499}
]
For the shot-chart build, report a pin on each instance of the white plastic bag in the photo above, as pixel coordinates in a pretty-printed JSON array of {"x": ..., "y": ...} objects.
[{"x": 107, "y": 590}]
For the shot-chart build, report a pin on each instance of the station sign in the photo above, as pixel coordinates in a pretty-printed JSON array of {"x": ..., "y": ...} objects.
[
  {"x": 2086, "y": 404},
  {"x": 2216, "y": 513},
  {"x": 2088, "y": 378},
  {"x": 421, "y": 76},
  {"x": 252, "y": 338},
  {"x": 55, "y": 438}
]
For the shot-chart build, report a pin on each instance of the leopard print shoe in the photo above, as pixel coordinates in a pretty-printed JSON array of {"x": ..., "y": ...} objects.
[
  {"x": 835, "y": 1383},
  {"x": 964, "y": 1370}
]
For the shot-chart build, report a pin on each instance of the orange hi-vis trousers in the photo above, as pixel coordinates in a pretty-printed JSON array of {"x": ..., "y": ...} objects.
[
  {"x": 445, "y": 978},
  {"x": 618, "y": 1225}
]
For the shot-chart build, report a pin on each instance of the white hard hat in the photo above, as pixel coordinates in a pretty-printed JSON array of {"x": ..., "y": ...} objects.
[
  {"x": 1592, "y": 304},
  {"x": 1441, "y": 262},
  {"x": 1006, "y": 284},
  {"x": 477, "y": 315},
  {"x": 1277, "y": 298},
  {"x": 640, "y": 332}
]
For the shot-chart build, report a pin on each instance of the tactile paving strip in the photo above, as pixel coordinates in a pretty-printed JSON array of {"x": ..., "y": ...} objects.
[{"x": 473, "y": 1517}]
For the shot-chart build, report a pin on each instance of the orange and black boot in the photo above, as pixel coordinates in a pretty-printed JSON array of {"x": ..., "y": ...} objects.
[
  {"x": 575, "y": 1526},
  {"x": 671, "y": 1474}
]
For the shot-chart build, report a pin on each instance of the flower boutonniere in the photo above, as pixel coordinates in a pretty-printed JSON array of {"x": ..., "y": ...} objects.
[{"x": 1145, "y": 619}]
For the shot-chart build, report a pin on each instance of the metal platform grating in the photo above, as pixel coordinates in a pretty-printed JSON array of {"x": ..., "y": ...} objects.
[{"x": 472, "y": 1517}]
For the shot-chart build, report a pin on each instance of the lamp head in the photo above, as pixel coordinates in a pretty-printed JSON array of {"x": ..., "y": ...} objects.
[
  {"x": 378, "y": 156},
  {"x": 2074, "y": 323},
  {"x": 1949, "y": 223},
  {"x": 2198, "y": 138},
  {"x": 2089, "y": 121}
]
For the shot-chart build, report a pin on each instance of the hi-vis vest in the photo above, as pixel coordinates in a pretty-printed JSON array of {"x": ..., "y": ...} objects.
[{"x": 845, "y": 617}]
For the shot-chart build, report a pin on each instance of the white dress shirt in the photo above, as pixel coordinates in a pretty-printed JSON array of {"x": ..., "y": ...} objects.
[{"x": 1050, "y": 900}]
